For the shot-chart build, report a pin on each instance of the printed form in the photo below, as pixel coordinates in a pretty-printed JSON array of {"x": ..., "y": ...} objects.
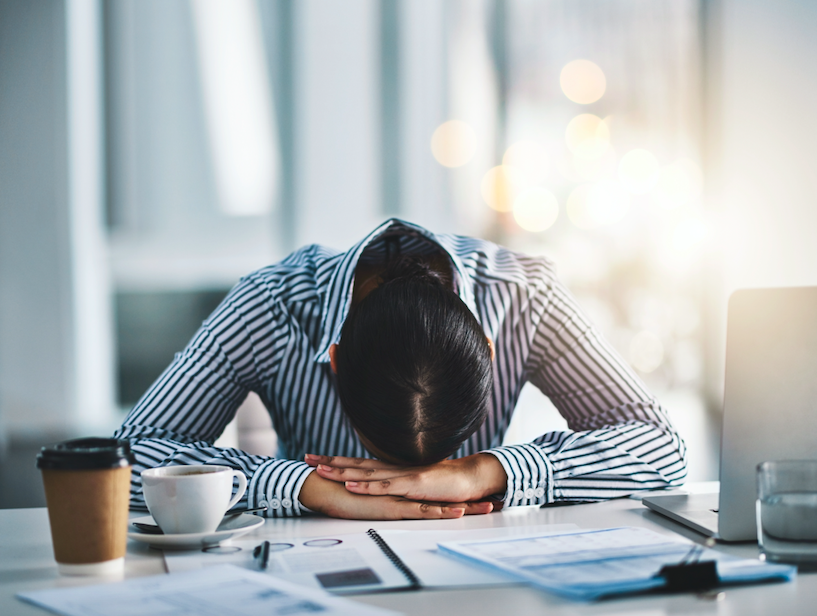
[
  {"x": 354, "y": 563},
  {"x": 213, "y": 591}
]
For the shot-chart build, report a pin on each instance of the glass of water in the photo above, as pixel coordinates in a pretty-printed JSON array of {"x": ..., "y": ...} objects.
[{"x": 787, "y": 511}]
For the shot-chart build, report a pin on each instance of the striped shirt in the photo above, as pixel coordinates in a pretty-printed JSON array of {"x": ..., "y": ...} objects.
[{"x": 272, "y": 334}]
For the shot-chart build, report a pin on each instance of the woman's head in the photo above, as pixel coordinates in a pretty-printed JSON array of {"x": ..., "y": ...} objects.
[{"x": 413, "y": 366}]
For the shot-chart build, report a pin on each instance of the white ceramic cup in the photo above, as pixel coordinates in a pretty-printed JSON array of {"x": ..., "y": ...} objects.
[{"x": 191, "y": 499}]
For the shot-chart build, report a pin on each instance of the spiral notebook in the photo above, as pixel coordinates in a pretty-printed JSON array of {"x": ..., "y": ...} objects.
[
  {"x": 374, "y": 561},
  {"x": 414, "y": 582}
]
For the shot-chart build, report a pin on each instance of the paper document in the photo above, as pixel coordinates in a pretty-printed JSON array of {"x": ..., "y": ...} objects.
[
  {"x": 214, "y": 591},
  {"x": 593, "y": 564},
  {"x": 354, "y": 563}
]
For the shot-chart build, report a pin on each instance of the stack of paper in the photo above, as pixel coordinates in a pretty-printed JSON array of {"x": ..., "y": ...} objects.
[
  {"x": 354, "y": 563},
  {"x": 593, "y": 564},
  {"x": 207, "y": 592}
]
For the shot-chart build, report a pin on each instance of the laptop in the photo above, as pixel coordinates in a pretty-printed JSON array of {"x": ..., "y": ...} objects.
[{"x": 769, "y": 407}]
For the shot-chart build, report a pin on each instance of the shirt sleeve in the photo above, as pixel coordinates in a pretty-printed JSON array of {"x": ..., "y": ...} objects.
[
  {"x": 620, "y": 439},
  {"x": 176, "y": 422}
]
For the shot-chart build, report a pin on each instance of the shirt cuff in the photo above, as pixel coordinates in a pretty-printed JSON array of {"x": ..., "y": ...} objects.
[
  {"x": 530, "y": 474},
  {"x": 276, "y": 485}
]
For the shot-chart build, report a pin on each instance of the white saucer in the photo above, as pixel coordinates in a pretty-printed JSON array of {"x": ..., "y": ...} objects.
[{"x": 232, "y": 527}]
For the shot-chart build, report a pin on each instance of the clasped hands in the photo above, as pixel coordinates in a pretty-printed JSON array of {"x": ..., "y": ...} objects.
[{"x": 366, "y": 489}]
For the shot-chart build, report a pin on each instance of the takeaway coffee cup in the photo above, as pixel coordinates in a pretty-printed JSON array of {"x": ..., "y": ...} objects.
[
  {"x": 191, "y": 499},
  {"x": 87, "y": 486}
]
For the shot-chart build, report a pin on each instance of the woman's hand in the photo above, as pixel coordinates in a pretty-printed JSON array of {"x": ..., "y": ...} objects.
[
  {"x": 464, "y": 480},
  {"x": 333, "y": 499}
]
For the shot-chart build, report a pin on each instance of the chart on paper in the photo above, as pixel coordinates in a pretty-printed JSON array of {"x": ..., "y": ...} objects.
[
  {"x": 354, "y": 563},
  {"x": 207, "y": 592}
]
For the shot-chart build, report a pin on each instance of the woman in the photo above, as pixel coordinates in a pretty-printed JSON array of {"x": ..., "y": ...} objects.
[{"x": 391, "y": 372}]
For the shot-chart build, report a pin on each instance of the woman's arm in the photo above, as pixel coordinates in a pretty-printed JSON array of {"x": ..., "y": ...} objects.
[
  {"x": 465, "y": 480},
  {"x": 333, "y": 499},
  {"x": 187, "y": 408},
  {"x": 620, "y": 438}
]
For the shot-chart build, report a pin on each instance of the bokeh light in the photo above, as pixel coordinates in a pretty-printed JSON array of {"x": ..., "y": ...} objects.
[
  {"x": 536, "y": 209},
  {"x": 591, "y": 170},
  {"x": 577, "y": 207},
  {"x": 501, "y": 186},
  {"x": 686, "y": 315},
  {"x": 688, "y": 235},
  {"x": 678, "y": 184},
  {"x": 578, "y": 170},
  {"x": 638, "y": 171},
  {"x": 454, "y": 143},
  {"x": 583, "y": 81},
  {"x": 587, "y": 136},
  {"x": 646, "y": 351},
  {"x": 530, "y": 158},
  {"x": 686, "y": 361},
  {"x": 648, "y": 311},
  {"x": 597, "y": 205}
]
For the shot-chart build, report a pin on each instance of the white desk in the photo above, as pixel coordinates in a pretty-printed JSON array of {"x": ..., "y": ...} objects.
[{"x": 27, "y": 563}]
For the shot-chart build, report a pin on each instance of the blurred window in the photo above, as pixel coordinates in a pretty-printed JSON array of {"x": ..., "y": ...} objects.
[
  {"x": 193, "y": 168},
  {"x": 601, "y": 171}
]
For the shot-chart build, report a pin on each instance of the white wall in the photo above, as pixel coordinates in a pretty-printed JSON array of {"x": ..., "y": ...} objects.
[
  {"x": 55, "y": 359},
  {"x": 765, "y": 168},
  {"x": 34, "y": 347},
  {"x": 760, "y": 156}
]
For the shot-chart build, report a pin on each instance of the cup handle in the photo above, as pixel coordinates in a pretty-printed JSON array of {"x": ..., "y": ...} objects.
[{"x": 242, "y": 487}]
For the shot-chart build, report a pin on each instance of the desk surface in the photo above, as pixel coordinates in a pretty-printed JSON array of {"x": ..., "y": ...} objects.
[{"x": 27, "y": 563}]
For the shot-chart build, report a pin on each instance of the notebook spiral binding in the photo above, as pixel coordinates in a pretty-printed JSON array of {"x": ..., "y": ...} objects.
[{"x": 414, "y": 581}]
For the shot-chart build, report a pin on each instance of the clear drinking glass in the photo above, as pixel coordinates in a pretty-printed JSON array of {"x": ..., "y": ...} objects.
[{"x": 787, "y": 510}]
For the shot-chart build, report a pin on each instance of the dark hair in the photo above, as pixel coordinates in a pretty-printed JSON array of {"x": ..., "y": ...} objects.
[{"x": 414, "y": 365}]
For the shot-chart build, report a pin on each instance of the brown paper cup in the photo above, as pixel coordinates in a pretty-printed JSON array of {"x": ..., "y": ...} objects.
[{"x": 87, "y": 510}]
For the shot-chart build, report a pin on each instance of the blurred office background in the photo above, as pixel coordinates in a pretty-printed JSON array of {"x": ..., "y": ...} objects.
[{"x": 661, "y": 152}]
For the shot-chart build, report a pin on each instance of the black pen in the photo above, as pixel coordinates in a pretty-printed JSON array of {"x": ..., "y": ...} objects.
[{"x": 261, "y": 554}]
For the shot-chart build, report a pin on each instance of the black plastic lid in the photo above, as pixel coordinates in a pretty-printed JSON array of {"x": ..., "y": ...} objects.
[{"x": 85, "y": 454}]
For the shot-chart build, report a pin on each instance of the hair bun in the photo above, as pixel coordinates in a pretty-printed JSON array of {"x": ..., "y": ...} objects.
[{"x": 411, "y": 268}]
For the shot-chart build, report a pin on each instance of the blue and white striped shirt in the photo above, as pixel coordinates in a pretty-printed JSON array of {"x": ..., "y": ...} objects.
[{"x": 272, "y": 333}]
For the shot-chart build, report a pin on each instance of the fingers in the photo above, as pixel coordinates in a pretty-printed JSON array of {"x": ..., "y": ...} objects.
[
  {"x": 479, "y": 508},
  {"x": 343, "y": 462},
  {"x": 333, "y": 499},
  {"x": 395, "y": 486},
  {"x": 410, "y": 510},
  {"x": 496, "y": 504},
  {"x": 424, "y": 511},
  {"x": 407, "y": 487},
  {"x": 358, "y": 474}
]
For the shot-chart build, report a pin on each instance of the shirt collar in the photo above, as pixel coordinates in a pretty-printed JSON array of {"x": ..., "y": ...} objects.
[{"x": 338, "y": 296}]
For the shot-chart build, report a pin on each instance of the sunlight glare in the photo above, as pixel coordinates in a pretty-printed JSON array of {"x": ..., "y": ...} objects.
[
  {"x": 689, "y": 235},
  {"x": 597, "y": 205},
  {"x": 536, "y": 209},
  {"x": 678, "y": 184},
  {"x": 238, "y": 105},
  {"x": 638, "y": 171},
  {"x": 530, "y": 158},
  {"x": 603, "y": 167},
  {"x": 646, "y": 351}
]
